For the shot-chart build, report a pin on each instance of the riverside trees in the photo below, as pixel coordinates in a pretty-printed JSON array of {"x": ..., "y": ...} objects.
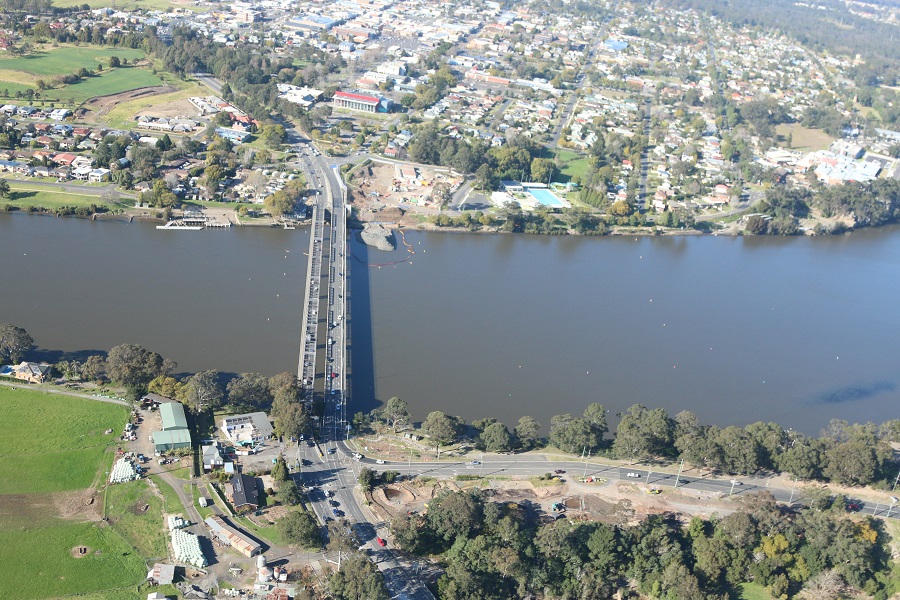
[{"x": 14, "y": 342}]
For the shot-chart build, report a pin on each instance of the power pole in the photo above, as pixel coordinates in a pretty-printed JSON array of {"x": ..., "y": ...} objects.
[{"x": 677, "y": 477}]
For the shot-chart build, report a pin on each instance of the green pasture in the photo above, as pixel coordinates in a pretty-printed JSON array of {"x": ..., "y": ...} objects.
[
  {"x": 22, "y": 196},
  {"x": 37, "y": 562},
  {"x": 144, "y": 529},
  {"x": 53, "y": 443}
]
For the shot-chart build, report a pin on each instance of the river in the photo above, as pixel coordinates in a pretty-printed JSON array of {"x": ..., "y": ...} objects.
[{"x": 794, "y": 330}]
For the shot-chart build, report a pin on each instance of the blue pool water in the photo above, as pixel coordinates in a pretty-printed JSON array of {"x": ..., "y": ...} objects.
[{"x": 545, "y": 197}]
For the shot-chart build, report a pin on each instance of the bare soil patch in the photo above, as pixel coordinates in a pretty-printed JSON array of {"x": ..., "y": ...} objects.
[
  {"x": 79, "y": 505},
  {"x": 80, "y": 551}
]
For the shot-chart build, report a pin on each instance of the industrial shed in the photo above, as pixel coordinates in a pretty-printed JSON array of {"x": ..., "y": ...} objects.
[
  {"x": 233, "y": 536},
  {"x": 175, "y": 433}
]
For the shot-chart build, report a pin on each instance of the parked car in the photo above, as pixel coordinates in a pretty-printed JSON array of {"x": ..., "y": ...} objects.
[
  {"x": 559, "y": 472},
  {"x": 381, "y": 542}
]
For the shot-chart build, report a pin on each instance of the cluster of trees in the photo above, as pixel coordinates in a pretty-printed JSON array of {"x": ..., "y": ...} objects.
[
  {"x": 494, "y": 551},
  {"x": 844, "y": 454},
  {"x": 513, "y": 219},
  {"x": 867, "y": 205}
]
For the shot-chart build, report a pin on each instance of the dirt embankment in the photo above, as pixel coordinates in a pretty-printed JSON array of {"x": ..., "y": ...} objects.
[{"x": 95, "y": 108}]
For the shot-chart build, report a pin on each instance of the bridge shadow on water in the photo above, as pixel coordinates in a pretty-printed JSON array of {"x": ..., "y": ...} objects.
[{"x": 360, "y": 350}]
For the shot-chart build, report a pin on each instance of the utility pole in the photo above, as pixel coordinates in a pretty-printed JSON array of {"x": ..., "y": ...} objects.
[
  {"x": 793, "y": 487},
  {"x": 733, "y": 483},
  {"x": 584, "y": 475},
  {"x": 650, "y": 470},
  {"x": 677, "y": 477}
]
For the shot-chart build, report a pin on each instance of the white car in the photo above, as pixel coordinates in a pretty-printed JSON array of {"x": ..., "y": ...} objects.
[
  {"x": 632, "y": 474},
  {"x": 379, "y": 462}
]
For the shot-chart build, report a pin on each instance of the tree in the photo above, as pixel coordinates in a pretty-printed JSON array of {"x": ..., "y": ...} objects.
[
  {"x": 4, "y": 188},
  {"x": 299, "y": 528},
  {"x": 455, "y": 514},
  {"x": 274, "y": 136},
  {"x": 288, "y": 493},
  {"x": 135, "y": 367},
  {"x": 280, "y": 469},
  {"x": 280, "y": 203},
  {"x": 397, "y": 412},
  {"x": 573, "y": 434},
  {"x": 165, "y": 386},
  {"x": 441, "y": 428},
  {"x": 212, "y": 175},
  {"x": 291, "y": 420},
  {"x": 93, "y": 368},
  {"x": 528, "y": 432},
  {"x": 114, "y": 62},
  {"x": 496, "y": 438},
  {"x": 542, "y": 169},
  {"x": 367, "y": 479},
  {"x": 357, "y": 579},
  {"x": 643, "y": 433},
  {"x": 14, "y": 341},
  {"x": 202, "y": 391},
  {"x": 249, "y": 391}
]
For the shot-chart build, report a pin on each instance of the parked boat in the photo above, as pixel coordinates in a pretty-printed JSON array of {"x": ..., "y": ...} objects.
[{"x": 180, "y": 225}]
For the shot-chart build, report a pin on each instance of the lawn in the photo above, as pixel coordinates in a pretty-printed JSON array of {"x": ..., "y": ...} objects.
[
  {"x": 144, "y": 529},
  {"x": 22, "y": 196},
  {"x": 804, "y": 138},
  {"x": 66, "y": 59},
  {"x": 37, "y": 562},
  {"x": 59, "y": 451}
]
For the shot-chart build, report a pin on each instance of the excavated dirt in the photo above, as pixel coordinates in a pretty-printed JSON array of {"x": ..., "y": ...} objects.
[{"x": 95, "y": 108}]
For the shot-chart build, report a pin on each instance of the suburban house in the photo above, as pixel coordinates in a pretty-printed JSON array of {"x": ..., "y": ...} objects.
[
  {"x": 242, "y": 493},
  {"x": 26, "y": 371},
  {"x": 247, "y": 430},
  {"x": 212, "y": 457},
  {"x": 233, "y": 536},
  {"x": 175, "y": 433}
]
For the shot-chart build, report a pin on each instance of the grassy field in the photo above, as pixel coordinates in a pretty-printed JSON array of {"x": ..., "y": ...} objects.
[
  {"x": 804, "y": 138},
  {"x": 144, "y": 529},
  {"x": 37, "y": 562},
  {"x": 171, "y": 503},
  {"x": 61, "y": 450},
  {"x": 109, "y": 82},
  {"x": 19, "y": 74},
  {"x": 129, "y": 5},
  {"x": 65, "y": 59},
  {"x": 571, "y": 165},
  {"x": 22, "y": 196}
]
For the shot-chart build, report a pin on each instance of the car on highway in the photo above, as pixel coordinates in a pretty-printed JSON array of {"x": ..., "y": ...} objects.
[
  {"x": 475, "y": 463},
  {"x": 332, "y": 450},
  {"x": 559, "y": 472},
  {"x": 381, "y": 542},
  {"x": 379, "y": 462},
  {"x": 632, "y": 474}
]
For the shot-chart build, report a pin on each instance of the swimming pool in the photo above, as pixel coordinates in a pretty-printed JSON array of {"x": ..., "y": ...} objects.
[{"x": 546, "y": 197}]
